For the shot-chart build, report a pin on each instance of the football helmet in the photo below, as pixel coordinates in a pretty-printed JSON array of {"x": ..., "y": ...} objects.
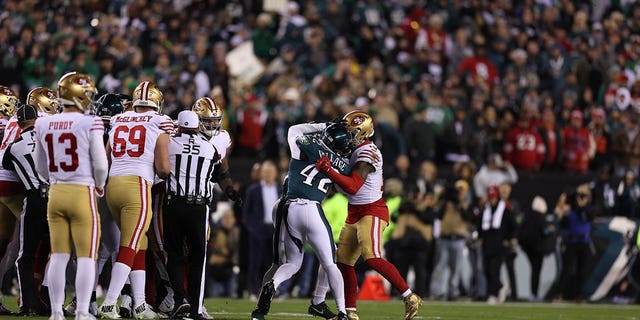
[
  {"x": 360, "y": 124},
  {"x": 338, "y": 139},
  {"x": 77, "y": 90},
  {"x": 147, "y": 94},
  {"x": 109, "y": 105},
  {"x": 8, "y": 101},
  {"x": 45, "y": 100},
  {"x": 210, "y": 114}
]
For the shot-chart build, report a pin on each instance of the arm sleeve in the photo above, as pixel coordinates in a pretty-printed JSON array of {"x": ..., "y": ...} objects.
[
  {"x": 6, "y": 159},
  {"x": 98, "y": 160},
  {"x": 41, "y": 162},
  {"x": 299, "y": 130}
]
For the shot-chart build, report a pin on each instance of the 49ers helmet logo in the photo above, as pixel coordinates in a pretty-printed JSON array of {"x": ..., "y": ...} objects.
[{"x": 357, "y": 121}]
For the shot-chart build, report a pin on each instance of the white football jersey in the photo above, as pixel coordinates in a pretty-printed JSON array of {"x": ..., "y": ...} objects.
[
  {"x": 3, "y": 125},
  {"x": 11, "y": 133},
  {"x": 133, "y": 139},
  {"x": 222, "y": 141},
  {"x": 65, "y": 139},
  {"x": 371, "y": 190}
]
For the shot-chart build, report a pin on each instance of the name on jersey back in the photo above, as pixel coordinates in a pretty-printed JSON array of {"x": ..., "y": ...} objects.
[
  {"x": 133, "y": 119},
  {"x": 335, "y": 161},
  {"x": 60, "y": 125}
]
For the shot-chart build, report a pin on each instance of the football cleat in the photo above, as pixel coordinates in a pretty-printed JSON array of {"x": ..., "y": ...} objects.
[
  {"x": 126, "y": 306},
  {"x": 144, "y": 311},
  {"x": 4, "y": 311},
  {"x": 352, "y": 315},
  {"x": 412, "y": 303},
  {"x": 205, "y": 314},
  {"x": 321, "y": 310},
  {"x": 70, "y": 309},
  {"x": 109, "y": 311},
  {"x": 57, "y": 316},
  {"x": 256, "y": 315},
  {"x": 181, "y": 310},
  {"x": 167, "y": 304},
  {"x": 341, "y": 316}
]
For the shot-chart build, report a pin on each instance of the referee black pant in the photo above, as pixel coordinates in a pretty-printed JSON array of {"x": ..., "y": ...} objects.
[
  {"x": 186, "y": 224},
  {"x": 34, "y": 232}
]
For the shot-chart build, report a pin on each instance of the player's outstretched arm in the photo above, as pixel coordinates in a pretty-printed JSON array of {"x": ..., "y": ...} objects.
[
  {"x": 161, "y": 156},
  {"x": 299, "y": 130},
  {"x": 351, "y": 183}
]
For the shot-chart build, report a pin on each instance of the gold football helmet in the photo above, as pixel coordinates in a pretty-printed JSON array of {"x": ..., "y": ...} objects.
[
  {"x": 147, "y": 94},
  {"x": 44, "y": 99},
  {"x": 360, "y": 124},
  {"x": 210, "y": 114},
  {"x": 8, "y": 101},
  {"x": 77, "y": 90}
]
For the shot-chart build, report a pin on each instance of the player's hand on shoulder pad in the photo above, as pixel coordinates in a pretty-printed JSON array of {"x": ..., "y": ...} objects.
[{"x": 323, "y": 164}]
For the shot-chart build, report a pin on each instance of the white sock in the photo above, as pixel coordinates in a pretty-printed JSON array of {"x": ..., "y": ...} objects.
[
  {"x": 57, "y": 266},
  {"x": 85, "y": 280},
  {"x": 337, "y": 285},
  {"x": 322, "y": 287},
  {"x": 138, "y": 280},
  {"x": 406, "y": 293},
  {"x": 119, "y": 275}
]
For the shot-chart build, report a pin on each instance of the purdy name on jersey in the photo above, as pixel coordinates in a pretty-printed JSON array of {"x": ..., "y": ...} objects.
[{"x": 304, "y": 180}]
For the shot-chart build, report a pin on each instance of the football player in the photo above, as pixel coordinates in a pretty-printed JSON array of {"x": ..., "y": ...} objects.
[
  {"x": 106, "y": 106},
  {"x": 367, "y": 215},
  {"x": 138, "y": 149},
  {"x": 11, "y": 190},
  {"x": 45, "y": 102},
  {"x": 71, "y": 155},
  {"x": 302, "y": 219}
]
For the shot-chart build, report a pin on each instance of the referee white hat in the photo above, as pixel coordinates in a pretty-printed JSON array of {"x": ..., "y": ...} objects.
[{"x": 188, "y": 119}]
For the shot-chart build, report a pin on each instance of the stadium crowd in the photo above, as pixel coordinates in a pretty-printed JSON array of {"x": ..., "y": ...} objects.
[{"x": 466, "y": 97}]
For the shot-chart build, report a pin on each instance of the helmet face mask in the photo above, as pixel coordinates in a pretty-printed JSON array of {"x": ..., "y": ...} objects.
[
  {"x": 338, "y": 139},
  {"x": 77, "y": 90},
  {"x": 210, "y": 115},
  {"x": 148, "y": 95},
  {"x": 45, "y": 100},
  {"x": 360, "y": 124}
]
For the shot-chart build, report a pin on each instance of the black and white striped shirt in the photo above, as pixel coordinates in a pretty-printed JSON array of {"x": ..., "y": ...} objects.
[
  {"x": 20, "y": 157},
  {"x": 192, "y": 161}
]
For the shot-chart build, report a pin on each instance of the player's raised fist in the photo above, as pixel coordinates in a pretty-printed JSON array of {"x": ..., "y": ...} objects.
[{"x": 323, "y": 164}]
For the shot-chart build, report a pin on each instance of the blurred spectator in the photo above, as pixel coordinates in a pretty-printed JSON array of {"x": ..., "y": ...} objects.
[
  {"x": 412, "y": 237},
  {"x": 420, "y": 136},
  {"x": 532, "y": 238},
  {"x": 575, "y": 218},
  {"x": 224, "y": 260},
  {"x": 625, "y": 145},
  {"x": 427, "y": 180},
  {"x": 457, "y": 137},
  {"x": 627, "y": 196},
  {"x": 552, "y": 136},
  {"x": 251, "y": 122},
  {"x": 494, "y": 173},
  {"x": 511, "y": 253},
  {"x": 479, "y": 68},
  {"x": 579, "y": 146},
  {"x": 257, "y": 217},
  {"x": 497, "y": 232},
  {"x": 602, "y": 137},
  {"x": 454, "y": 217},
  {"x": 603, "y": 191},
  {"x": 523, "y": 145}
]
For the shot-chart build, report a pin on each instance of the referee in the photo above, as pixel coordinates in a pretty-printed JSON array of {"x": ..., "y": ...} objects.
[
  {"x": 186, "y": 211},
  {"x": 19, "y": 157}
]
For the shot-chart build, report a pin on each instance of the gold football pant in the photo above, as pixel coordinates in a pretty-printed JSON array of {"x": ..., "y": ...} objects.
[
  {"x": 10, "y": 211},
  {"x": 73, "y": 219},
  {"x": 129, "y": 200},
  {"x": 361, "y": 238}
]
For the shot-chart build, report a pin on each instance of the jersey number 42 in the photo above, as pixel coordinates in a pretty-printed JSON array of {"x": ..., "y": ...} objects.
[{"x": 310, "y": 172}]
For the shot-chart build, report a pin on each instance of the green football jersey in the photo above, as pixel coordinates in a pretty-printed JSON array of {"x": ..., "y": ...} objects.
[{"x": 304, "y": 180}]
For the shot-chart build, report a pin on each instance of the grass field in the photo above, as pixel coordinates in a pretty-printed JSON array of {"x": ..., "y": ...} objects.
[{"x": 231, "y": 309}]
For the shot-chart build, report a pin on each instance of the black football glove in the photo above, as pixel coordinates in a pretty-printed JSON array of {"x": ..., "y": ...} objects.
[{"x": 233, "y": 195}]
